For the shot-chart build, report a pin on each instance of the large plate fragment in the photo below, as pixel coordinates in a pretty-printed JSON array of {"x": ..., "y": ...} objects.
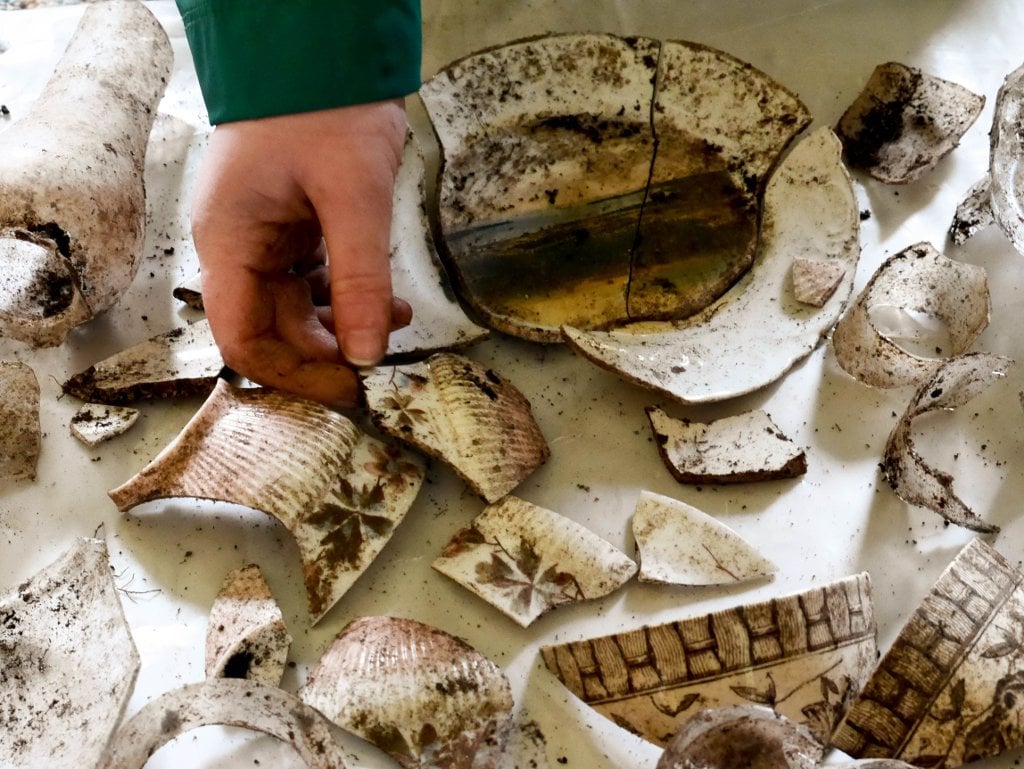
[
  {"x": 463, "y": 413},
  {"x": 755, "y": 332},
  {"x": 338, "y": 491},
  {"x": 914, "y": 480},
  {"x": 67, "y": 663},
  {"x": 805, "y": 655},
  {"x": 180, "y": 362},
  {"x": 20, "y": 438},
  {"x": 894, "y": 314},
  {"x": 905, "y": 121},
  {"x": 738, "y": 449},
  {"x": 416, "y": 692},
  {"x": 227, "y": 702},
  {"x": 525, "y": 560},
  {"x": 1006, "y": 172},
  {"x": 948, "y": 690},
  {"x": 680, "y": 545}
]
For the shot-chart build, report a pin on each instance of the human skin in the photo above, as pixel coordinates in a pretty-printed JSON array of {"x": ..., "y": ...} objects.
[{"x": 275, "y": 198}]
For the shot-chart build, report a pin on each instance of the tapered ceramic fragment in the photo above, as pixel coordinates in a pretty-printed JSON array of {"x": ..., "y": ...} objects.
[
  {"x": 526, "y": 560},
  {"x": 755, "y": 332},
  {"x": 973, "y": 213},
  {"x": 184, "y": 361},
  {"x": 339, "y": 492},
  {"x": 815, "y": 280},
  {"x": 680, "y": 545},
  {"x": 67, "y": 663},
  {"x": 905, "y": 121},
  {"x": 416, "y": 692},
  {"x": 948, "y": 691},
  {"x": 227, "y": 702},
  {"x": 918, "y": 281},
  {"x": 467, "y": 415},
  {"x": 20, "y": 438},
  {"x": 749, "y": 736},
  {"x": 1006, "y": 172},
  {"x": 738, "y": 449},
  {"x": 915, "y": 481},
  {"x": 94, "y": 423},
  {"x": 805, "y": 655},
  {"x": 246, "y": 636}
]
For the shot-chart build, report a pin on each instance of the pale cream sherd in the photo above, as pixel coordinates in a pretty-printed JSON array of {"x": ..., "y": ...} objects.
[
  {"x": 95, "y": 423},
  {"x": 20, "y": 436}
]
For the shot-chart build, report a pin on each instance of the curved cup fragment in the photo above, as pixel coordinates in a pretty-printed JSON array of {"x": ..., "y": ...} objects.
[
  {"x": 806, "y": 655},
  {"x": 954, "y": 383},
  {"x": 526, "y": 560},
  {"x": 957, "y": 668},
  {"x": 95, "y": 423},
  {"x": 1006, "y": 172},
  {"x": 905, "y": 121},
  {"x": 246, "y": 636},
  {"x": 755, "y": 332},
  {"x": 20, "y": 436},
  {"x": 339, "y": 492},
  {"x": 416, "y": 692},
  {"x": 909, "y": 291},
  {"x": 973, "y": 213},
  {"x": 227, "y": 702},
  {"x": 464, "y": 414},
  {"x": 67, "y": 663},
  {"x": 680, "y": 545},
  {"x": 739, "y": 449},
  {"x": 751, "y": 736}
]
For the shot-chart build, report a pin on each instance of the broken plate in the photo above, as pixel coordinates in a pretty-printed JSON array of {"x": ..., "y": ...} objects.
[
  {"x": 805, "y": 655},
  {"x": 954, "y": 383},
  {"x": 680, "y": 545},
  {"x": 94, "y": 423},
  {"x": 339, "y": 492},
  {"x": 889, "y": 336},
  {"x": 526, "y": 560},
  {"x": 246, "y": 636},
  {"x": 464, "y": 414},
  {"x": 739, "y": 449},
  {"x": 948, "y": 690},
  {"x": 183, "y": 361},
  {"x": 904, "y": 122},
  {"x": 20, "y": 437},
  {"x": 67, "y": 663},
  {"x": 423, "y": 696},
  {"x": 757, "y": 330},
  {"x": 591, "y": 180},
  {"x": 227, "y": 702}
]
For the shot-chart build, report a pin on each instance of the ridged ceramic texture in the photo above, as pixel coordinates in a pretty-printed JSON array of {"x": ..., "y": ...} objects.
[
  {"x": 416, "y": 692},
  {"x": 20, "y": 437},
  {"x": 526, "y": 560},
  {"x": 464, "y": 414},
  {"x": 339, "y": 492}
]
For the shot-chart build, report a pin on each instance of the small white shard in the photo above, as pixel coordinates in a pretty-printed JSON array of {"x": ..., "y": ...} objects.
[
  {"x": 95, "y": 423},
  {"x": 246, "y": 636},
  {"x": 739, "y": 449},
  {"x": 680, "y": 545},
  {"x": 525, "y": 560},
  {"x": 973, "y": 213},
  {"x": 20, "y": 438},
  {"x": 815, "y": 280}
]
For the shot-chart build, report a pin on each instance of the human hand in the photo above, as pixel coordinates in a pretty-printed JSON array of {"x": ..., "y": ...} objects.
[{"x": 272, "y": 193}]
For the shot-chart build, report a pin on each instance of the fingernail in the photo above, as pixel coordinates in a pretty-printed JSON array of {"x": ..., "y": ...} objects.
[{"x": 363, "y": 348}]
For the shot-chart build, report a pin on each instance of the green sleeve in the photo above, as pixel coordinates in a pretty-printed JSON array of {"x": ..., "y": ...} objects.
[{"x": 257, "y": 58}]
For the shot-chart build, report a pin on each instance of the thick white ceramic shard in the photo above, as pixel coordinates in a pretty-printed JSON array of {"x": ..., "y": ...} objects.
[
  {"x": 805, "y": 655},
  {"x": 416, "y": 692},
  {"x": 246, "y": 636},
  {"x": 67, "y": 663},
  {"x": 755, "y": 332},
  {"x": 908, "y": 292},
  {"x": 338, "y": 491},
  {"x": 738, "y": 449},
  {"x": 95, "y": 423},
  {"x": 915, "y": 481},
  {"x": 526, "y": 560},
  {"x": 227, "y": 702},
  {"x": 463, "y": 413},
  {"x": 1006, "y": 172},
  {"x": 973, "y": 213},
  {"x": 680, "y": 545},
  {"x": 905, "y": 121},
  {"x": 20, "y": 437},
  {"x": 184, "y": 361},
  {"x": 947, "y": 693}
]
